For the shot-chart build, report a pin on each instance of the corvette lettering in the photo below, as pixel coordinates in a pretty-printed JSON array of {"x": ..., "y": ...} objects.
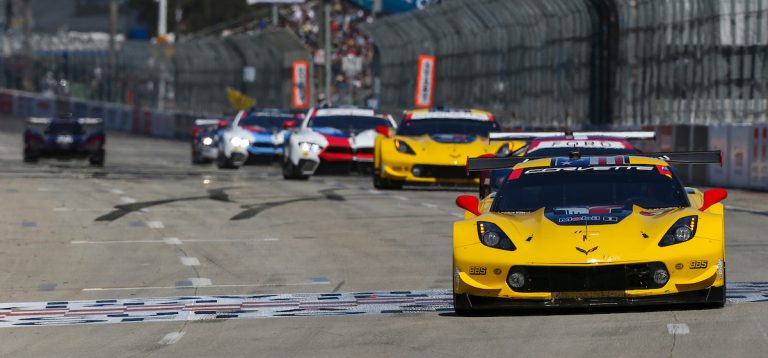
[{"x": 587, "y": 169}]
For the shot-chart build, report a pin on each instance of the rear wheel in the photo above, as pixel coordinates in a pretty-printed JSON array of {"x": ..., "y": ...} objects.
[
  {"x": 30, "y": 157},
  {"x": 97, "y": 159}
]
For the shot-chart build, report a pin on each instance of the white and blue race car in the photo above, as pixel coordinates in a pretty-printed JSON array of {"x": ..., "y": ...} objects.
[{"x": 252, "y": 135}]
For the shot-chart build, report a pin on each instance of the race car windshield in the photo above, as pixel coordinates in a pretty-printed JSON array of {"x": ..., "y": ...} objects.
[
  {"x": 266, "y": 122},
  {"x": 421, "y": 127},
  {"x": 531, "y": 189},
  {"x": 347, "y": 124}
]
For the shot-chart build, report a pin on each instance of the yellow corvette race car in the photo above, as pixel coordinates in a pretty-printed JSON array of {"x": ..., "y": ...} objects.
[
  {"x": 595, "y": 231},
  {"x": 432, "y": 146}
]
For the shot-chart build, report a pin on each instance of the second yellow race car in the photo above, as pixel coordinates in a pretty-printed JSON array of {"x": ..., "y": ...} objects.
[
  {"x": 432, "y": 146},
  {"x": 595, "y": 231}
]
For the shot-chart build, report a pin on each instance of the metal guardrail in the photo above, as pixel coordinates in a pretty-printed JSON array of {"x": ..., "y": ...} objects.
[
  {"x": 585, "y": 62},
  {"x": 196, "y": 73}
]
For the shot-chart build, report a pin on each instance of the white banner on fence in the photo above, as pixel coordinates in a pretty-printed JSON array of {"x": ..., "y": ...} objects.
[{"x": 425, "y": 81}]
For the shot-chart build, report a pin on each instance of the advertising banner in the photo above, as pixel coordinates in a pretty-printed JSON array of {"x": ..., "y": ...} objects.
[
  {"x": 425, "y": 81},
  {"x": 300, "y": 91}
]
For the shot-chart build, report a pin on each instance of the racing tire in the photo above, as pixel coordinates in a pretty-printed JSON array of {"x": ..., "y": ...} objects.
[
  {"x": 386, "y": 184},
  {"x": 291, "y": 172},
  {"x": 462, "y": 306},
  {"x": 717, "y": 298},
  {"x": 225, "y": 163},
  {"x": 30, "y": 157},
  {"x": 97, "y": 160}
]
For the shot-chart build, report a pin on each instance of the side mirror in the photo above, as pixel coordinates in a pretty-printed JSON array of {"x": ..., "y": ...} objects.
[
  {"x": 383, "y": 130},
  {"x": 222, "y": 124},
  {"x": 469, "y": 203},
  {"x": 289, "y": 124},
  {"x": 712, "y": 197}
]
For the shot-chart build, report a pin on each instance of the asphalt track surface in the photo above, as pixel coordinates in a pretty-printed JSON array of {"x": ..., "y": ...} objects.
[{"x": 152, "y": 256}]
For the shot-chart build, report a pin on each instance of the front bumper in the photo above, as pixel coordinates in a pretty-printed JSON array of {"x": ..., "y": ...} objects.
[
  {"x": 428, "y": 173},
  {"x": 483, "y": 272},
  {"x": 710, "y": 295}
]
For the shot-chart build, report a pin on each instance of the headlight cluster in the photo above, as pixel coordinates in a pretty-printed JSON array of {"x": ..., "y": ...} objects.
[
  {"x": 207, "y": 141},
  {"x": 240, "y": 142},
  {"x": 492, "y": 236},
  {"x": 310, "y": 147},
  {"x": 683, "y": 230},
  {"x": 403, "y": 147}
]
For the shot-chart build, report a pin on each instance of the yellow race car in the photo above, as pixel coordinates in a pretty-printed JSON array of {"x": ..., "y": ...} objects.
[
  {"x": 432, "y": 146},
  {"x": 596, "y": 231}
]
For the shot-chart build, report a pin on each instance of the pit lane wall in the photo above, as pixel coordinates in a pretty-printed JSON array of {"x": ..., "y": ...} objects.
[{"x": 117, "y": 117}]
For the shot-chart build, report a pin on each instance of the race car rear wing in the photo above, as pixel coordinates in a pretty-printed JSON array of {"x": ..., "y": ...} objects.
[
  {"x": 502, "y": 136},
  {"x": 704, "y": 157},
  {"x": 47, "y": 120}
]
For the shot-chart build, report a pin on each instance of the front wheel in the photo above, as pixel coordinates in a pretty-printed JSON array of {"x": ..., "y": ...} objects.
[
  {"x": 291, "y": 172},
  {"x": 462, "y": 306},
  {"x": 386, "y": 184},
  {"x": 225, "y": 163}
]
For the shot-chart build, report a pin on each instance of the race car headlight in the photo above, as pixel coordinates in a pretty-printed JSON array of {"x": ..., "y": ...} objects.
[
  {"x": 492, "y": 236},
  {"x": 239, "y": 142},
  {"x": 207, "y": 141},
  {"x": 504, "y": 151},
  {"x": 403, "y": 147},
  {"x": 683, "y": 230},
  {"x": 310, "y": 147}
]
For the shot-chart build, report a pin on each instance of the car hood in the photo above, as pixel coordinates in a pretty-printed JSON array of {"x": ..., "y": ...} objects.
[
  {"x": 599, "y": 237},
  {"x": 458, "y": 147}
]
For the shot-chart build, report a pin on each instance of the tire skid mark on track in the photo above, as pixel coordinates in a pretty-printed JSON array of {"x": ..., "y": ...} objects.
[{"x": 196, "y": 307}]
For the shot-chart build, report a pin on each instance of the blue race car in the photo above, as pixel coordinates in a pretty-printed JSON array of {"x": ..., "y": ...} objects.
[{"x": 65, "y": 137}]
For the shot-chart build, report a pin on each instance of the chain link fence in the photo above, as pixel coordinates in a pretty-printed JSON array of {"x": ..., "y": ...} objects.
[
  {"x": 188, "y": 76},
  {"x": 584, "y": 62}
]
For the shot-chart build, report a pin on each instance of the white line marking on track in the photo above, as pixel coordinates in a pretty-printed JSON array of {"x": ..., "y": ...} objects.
[
  {"x": 117, "y": 191},
  {"x": 461, "y": 216},
  {"x": 678, "y": 328},
  {"x": 81, "y": 242},
  {"x": 128, "y": 200},
  {"x": 428, "y": 205},
  {"x": 400, "y": 197},
  {"x": 311, "y": 283},
  {"x": 172, "y": 241},
  {"x": 189, "y": 261},
  {"x": 372, "y": 191},
  {"x": 155, "y": 224},
  {"x": 200, "y": 281},
  {"x": 171, "y": 338}
]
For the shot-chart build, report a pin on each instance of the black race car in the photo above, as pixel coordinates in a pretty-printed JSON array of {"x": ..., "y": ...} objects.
[{"x": 65, "y": 137}]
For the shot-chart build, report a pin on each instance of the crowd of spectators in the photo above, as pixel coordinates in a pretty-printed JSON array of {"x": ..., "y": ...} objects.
[{"x": 351, "y": 54}]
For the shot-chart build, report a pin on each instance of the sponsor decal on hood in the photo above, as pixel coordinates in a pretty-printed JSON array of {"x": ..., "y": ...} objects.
[{"x": 587, "y": 215}]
